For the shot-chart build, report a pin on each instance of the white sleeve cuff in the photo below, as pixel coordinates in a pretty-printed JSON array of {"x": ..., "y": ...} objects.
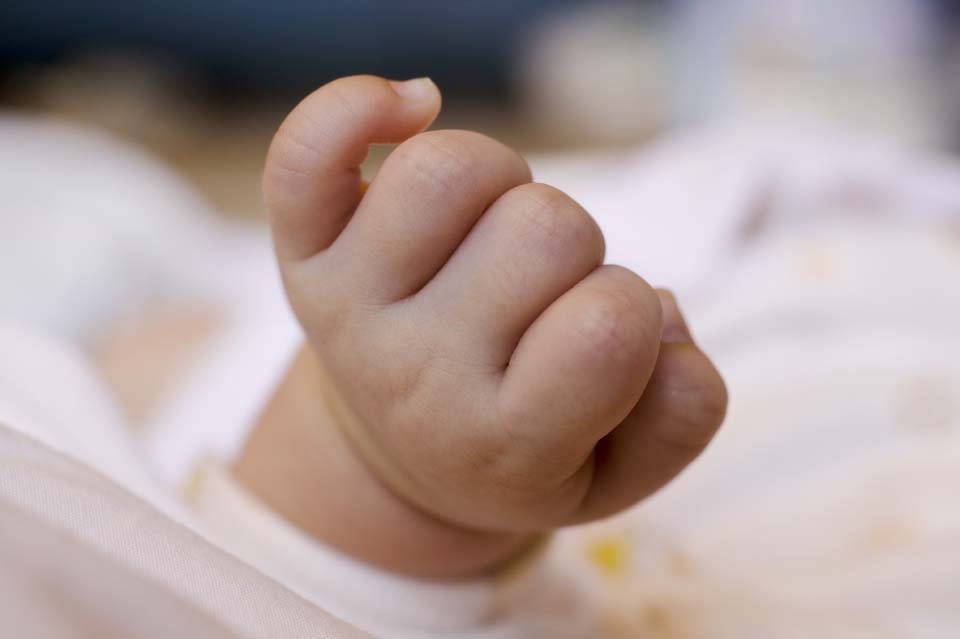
[{"x": 379, "y": 602}]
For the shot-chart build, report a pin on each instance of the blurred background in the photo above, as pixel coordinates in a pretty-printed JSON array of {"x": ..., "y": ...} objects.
[{"x": 204, "y": 84}]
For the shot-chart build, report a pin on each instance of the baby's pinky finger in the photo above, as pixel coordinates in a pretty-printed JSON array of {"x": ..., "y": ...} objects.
[{"x": 680, "y": 411}]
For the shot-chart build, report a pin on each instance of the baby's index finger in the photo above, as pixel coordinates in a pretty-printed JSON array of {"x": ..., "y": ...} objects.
[{"x": 312, "y": 179}]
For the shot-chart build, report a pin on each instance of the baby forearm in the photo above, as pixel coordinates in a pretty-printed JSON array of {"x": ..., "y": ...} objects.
[{"x": 299, "y": 464}]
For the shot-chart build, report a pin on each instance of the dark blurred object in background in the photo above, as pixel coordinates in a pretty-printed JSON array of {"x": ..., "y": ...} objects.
[
  {"x": 286, "y": 47},
  {"x": 204, "y": 84}
]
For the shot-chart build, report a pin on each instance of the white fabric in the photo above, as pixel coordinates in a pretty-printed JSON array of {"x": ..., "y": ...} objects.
[
  {"x": 107, "y": 215},
  {"x": 93, "y": 515},
  {"x": 382, "y": 603},
  {"x": 236, "y": 371},
  {"x": 51, "y": 394},
  {"x": 55, "y": 588},
  {"x": 49, "y": 397}
]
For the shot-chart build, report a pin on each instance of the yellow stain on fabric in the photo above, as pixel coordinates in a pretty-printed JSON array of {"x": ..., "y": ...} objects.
[
  {"x": 192, "y": 486},
  {"x": 610, "y": 554}
]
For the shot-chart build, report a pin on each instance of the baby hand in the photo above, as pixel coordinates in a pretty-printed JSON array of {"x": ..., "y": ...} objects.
[{"x": 476, "y": 353}]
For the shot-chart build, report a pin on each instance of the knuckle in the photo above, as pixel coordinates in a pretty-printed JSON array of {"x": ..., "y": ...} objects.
[
  {"x": 347, "y": 100},
  {"x": 311, "y": 126},
  {"x": 440, "y": 159},
  {"x": 343, "y": 99},
  {"x": 623, "y": 316},
  {"x": 291, "y": 157},
  {"x": 553, "y": 221},
  {"x": 308, "y": 135},
  {"x": 611, "y": 323}
]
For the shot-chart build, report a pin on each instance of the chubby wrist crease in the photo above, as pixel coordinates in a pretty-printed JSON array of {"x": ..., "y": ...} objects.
[{"x": 300, "y": 463}]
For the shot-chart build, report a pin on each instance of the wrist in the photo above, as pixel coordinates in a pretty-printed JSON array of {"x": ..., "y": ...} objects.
[{"x": 299, "y": 464}]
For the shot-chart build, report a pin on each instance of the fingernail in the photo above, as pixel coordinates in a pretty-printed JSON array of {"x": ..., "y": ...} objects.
[
  {"x": 675, "y": 328},
  {"x": 416, "y": 89}
]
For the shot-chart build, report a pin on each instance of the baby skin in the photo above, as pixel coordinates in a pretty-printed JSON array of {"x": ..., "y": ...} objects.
[{"x": 474, "y": 374}]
